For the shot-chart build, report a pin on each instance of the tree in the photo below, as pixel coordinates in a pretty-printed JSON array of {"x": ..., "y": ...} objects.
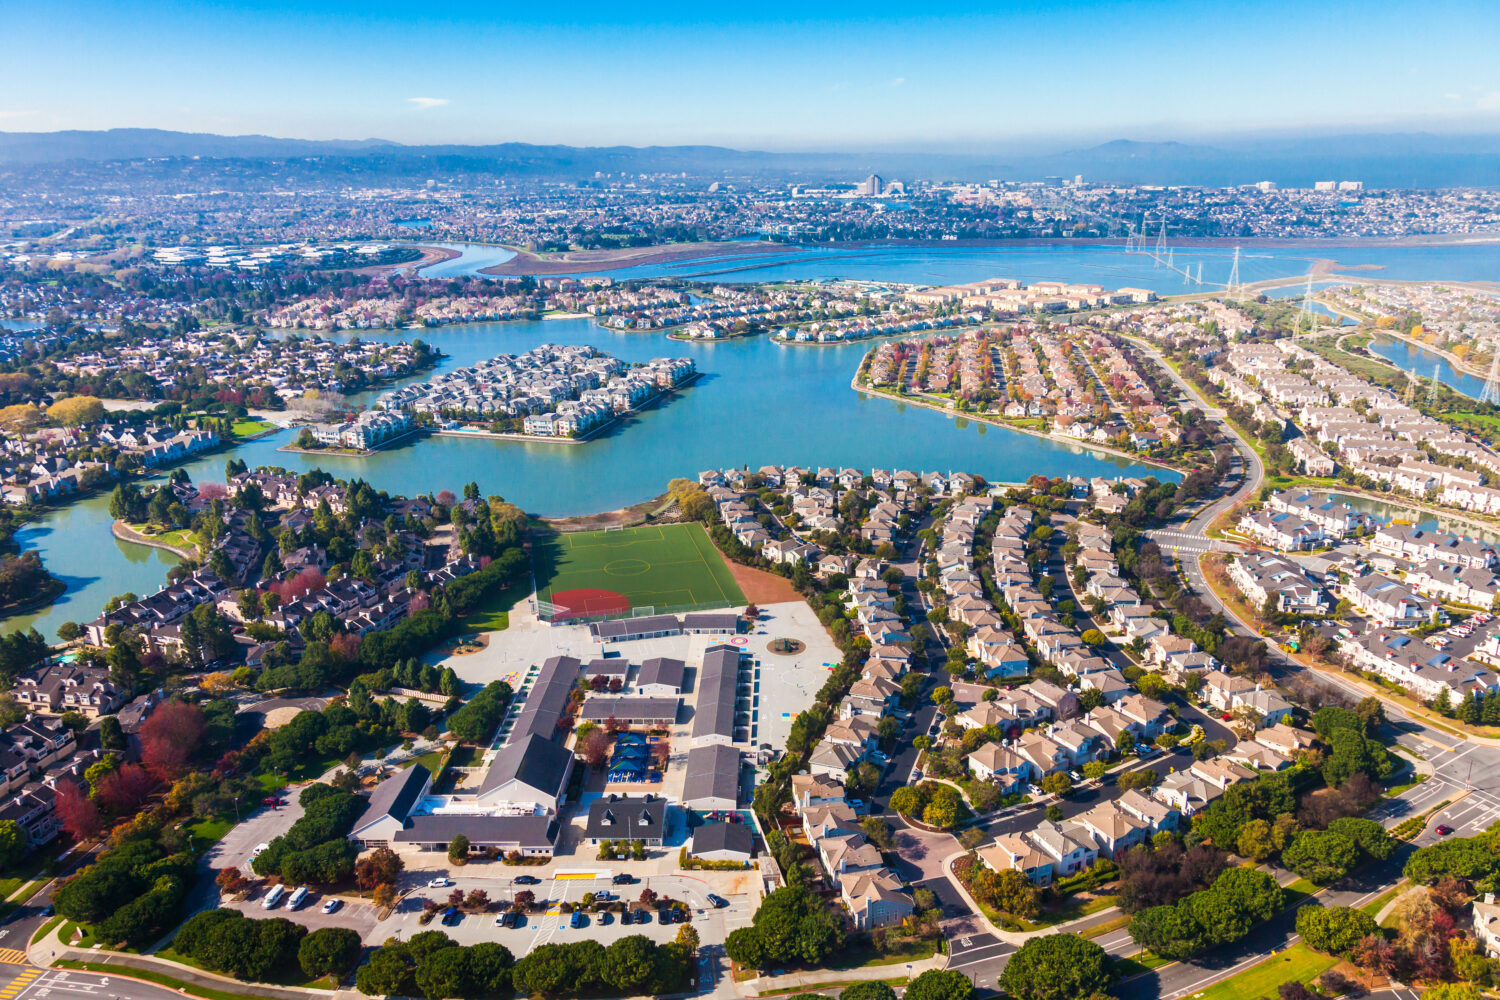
[
  {"x": 629, "y": 964},
  {"x": 12, "y": 844},
  {"x": 329, "y": 951},
  {"x": 1051, "y": 967},
  {"x": 170, "y": 738},
  {"x": 1093, "y": 637},
  {"x": 458, "y": 848},
  {"x": 381, "y": 866},
  {"x": 1058, "y": 784},
  {"x": 1168, "y": 931},
  {"x": 1321, "y": 857},
  {"x": 75, "y": 411},
  {"x": 1336, "y": 930},
  {"x": 445, "y": 973},
  {"x": 78, "y": 813},
  {"x": 1255, "y": 841},
  {"x": 388, "y": 972},
  {"x": 868, "y": 991},
  {"x": 1369, "y": 836}
]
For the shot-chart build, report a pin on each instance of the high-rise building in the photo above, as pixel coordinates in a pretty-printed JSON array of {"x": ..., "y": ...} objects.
[{"x": 871, "y": 186}]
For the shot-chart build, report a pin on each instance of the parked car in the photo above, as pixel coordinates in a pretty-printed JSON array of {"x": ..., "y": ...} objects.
[
  {"x": 452, "y": 917},
  {"x": 440, "y": 883},
  {"x": 717, "y": 902},
  {"x": 503, "y": 920},
  {"x": 579, "y": 920},
  {"x": 332, "y": 905},
  {"x": 603, "y": 896},
  {"x": 526, "y": 880},
  {"x": 606, "y": 917}
]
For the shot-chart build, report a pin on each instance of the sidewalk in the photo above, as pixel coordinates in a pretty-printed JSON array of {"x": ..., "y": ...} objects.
[
  {"x": 48, "y": 951},
  {"x": 799, "y": 980}
]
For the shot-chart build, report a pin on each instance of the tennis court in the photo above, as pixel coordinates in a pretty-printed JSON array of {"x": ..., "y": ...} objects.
[{"x": 650, "y": 566}]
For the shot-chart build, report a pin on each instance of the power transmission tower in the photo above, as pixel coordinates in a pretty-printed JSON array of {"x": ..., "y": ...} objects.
[
  {"x": 1199, "y": 278},
  {"x": 1432, "y": 386},
  {"x": 1306, "y": 311},
  {"x": 1491, "y": 392},
  {"x": 1233, "y": 288}
]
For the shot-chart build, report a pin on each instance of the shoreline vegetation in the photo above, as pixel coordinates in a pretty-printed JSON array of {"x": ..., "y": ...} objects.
[
  {"x": 125, "y": 533},
  {"x": 1004, "y": 424}
]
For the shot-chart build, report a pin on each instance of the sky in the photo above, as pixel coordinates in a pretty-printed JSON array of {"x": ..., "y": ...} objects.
[{"x": 771, "y": 76}]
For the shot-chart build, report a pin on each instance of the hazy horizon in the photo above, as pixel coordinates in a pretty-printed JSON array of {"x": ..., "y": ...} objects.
[{"x": 874, "y": 76}]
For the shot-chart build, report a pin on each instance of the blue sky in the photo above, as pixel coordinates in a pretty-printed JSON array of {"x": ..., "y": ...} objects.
[{"x": 771, "y": 76}]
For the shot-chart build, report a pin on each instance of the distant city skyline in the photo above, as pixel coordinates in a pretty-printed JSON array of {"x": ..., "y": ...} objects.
[{"x": 872, "y": 75}]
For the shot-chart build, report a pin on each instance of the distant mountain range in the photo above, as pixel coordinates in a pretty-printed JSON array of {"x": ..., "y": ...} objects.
[{"x": 1380, "y": 160}]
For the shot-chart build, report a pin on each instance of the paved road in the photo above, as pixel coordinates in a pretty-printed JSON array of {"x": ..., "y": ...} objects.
[{"x": 30, "y": 983}]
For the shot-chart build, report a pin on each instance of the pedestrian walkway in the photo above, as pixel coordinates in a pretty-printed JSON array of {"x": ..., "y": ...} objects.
[
  {"x": 20, "y": 982},
  {"x": 12, "y": 956}
]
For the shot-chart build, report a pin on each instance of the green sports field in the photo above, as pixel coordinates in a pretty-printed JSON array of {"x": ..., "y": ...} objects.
[{"x": 656, "y": 565}]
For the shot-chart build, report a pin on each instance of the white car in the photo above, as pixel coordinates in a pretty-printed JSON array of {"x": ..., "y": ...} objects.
[
  {"x": 440, "y": 883},
  {"x": 258, "y": 849}
]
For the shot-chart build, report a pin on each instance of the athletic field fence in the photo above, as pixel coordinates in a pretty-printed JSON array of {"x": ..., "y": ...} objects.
[{"x": 552, "y": 613}]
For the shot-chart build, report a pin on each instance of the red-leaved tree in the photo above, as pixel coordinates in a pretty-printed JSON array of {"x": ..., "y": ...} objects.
[
  {"x": 125, "y": 789},
  {"x": 77, "y": 812},
  {"x": 170, "y": 739}
]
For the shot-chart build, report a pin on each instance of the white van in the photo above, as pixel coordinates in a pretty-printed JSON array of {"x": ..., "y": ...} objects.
[
  {"x": 298, "y": 898},
  {"x": 273, "y": 897}
]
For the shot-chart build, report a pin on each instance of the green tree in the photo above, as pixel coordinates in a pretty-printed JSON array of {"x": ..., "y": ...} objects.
[
  {"x": 328, "y": 951},
  {"x": 868, "y": 991},
  {"x": 1168, "y": 931},
  {"x": 458, "y": 848},
  {"x": 1334, "y": 929},
  {"x": 12, "y": 844},
  {"x": 1369, "y": 836},
  {"x": 389, "y": 972},
  {"x": 1054, "y": 967},
  {"x": 1322, "y": 856},
  {"x": 938, "y": 984}
]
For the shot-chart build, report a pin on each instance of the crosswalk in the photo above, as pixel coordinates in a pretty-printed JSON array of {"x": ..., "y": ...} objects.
[
  {"x": 25, "y": 979},
  {"x": 1187, "y": 542},
  {"x": 13, "y": 956}
]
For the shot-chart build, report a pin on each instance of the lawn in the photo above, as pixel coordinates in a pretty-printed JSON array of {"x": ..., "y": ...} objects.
[
  {"x": 1375, "y": 905},
  {"x": 432, "y": 761},
  {"x": 492, "y": 614},
  {"x": 249, "y": 427},
  {"x": 655, "y": 565},
  {"x": 1298, "y": 963},
  {"x": 207, "y": 832},
  {"x": 153, "y": 977}
]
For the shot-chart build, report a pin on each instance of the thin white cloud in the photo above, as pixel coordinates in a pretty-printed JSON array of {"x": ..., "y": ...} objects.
[
  {"x": 427, "y": 102},
  {"x": 898, "y": 81},
  {"x": 15, "y": 114},
  {"x": 1488, "y": 102}
]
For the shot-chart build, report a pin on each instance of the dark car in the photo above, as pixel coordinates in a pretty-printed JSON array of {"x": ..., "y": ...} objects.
[
  {"x": 606, "y": 918},
  {"x": 1444, "y": 829},
  {"x": 579, "y": 920},
  {"x": 665, "y": 916},
  {"x": 717, "y": 902},
  {"x": 623, "y": 879},
  {"x": 519, "y": 921},
  {"x": 451, "y": 916},
  {"x": 643, "y": 916},
  {"x": 526, "y": 880}
]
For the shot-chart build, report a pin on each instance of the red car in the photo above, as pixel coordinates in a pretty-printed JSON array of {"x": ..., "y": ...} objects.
[
  {"x": 273, "y": 802},
  {"x": 1444, "y": 829},
  {"x": 1226, "y": 716}
]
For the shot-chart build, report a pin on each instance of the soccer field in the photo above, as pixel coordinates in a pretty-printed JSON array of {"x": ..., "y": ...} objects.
[{"x": 662, "y": 566}]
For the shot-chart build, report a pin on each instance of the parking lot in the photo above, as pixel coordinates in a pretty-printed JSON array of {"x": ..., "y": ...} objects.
[{"x": 548, "y": 925}]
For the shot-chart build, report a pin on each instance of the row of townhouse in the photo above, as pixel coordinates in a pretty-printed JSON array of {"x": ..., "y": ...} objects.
[
  {"x": 1416, "y": 544},
  {"x": 1414, "y": 665},
  {"x": 365, "y": 432},
  {"x": 1334, "y": 519},
  {"x": 1386, "y": 602},
  {"x": 871, "y": 893},
  {"x": 1044, "y": 748},
  {"x": 1294, "y": 589}
]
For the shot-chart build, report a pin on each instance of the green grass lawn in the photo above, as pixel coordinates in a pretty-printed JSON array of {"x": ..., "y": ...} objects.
[
  {"x": 250, "y": 426},
  {"x": 654, "y": 565},
  {"x": 1298, "y": 963},
  {"x": 207, "y": 832},
  {"x": 30, "y": 868},
  {"x": 492, "y": 614},
  {"x": 1375, "y": 905},
  {"x": 432, "y": 761}
]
